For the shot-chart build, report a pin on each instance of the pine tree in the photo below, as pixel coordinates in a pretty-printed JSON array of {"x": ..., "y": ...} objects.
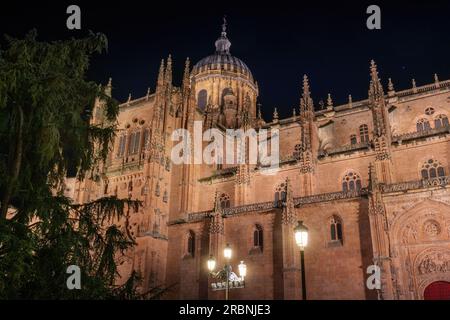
[{"x": 46, "y": 104}]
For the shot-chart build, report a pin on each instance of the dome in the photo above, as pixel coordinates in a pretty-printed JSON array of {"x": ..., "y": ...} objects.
[{"x": 222, "y": 60}]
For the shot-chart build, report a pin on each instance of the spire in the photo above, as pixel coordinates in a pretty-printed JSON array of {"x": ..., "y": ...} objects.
[
  {"x": 275, "y": 115},
  {"x": 148, "y": 94},
  {"x": 186, "y": 74},
  {"x": 350, "y": 101},
  {"x": 329, "y": 102},
  {"x": 223, "y": 44},
  {"x": 376, "y": 92},
  {"x": 306, "y": 103},
  {"x": 390, "y": 85},
  {"x": 168, "y": 72},
  {"x": 161, "y": 74},
  {"x": 129, "y": 99},
  {"x": 108, "y": 89},
  {"x": 294, "y": 113},
  {"x": 436, "y": 79},
  {"x": 414, "y": 86}
]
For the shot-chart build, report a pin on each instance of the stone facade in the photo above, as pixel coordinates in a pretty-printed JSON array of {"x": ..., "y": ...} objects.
[{"x": 370, "y": 180}]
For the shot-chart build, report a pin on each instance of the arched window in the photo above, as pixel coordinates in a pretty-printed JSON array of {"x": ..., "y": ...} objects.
[
  {"x": 353, "y": 139},
  {"x": 280, "y": 194},
  {"x": 146, "y": 140},
  {"x": 224, "y": 201},
  {"x": 432, "y": 169},
  {"x": 364, "y": 133},
  {"x": 423, "y": 125},
  {"x": 258, "y": 237},
  {"x": 121, "y": 147},
  {"x": 441, "y": 121},
  {"x": 351, "y": 182},
  {"x": 191, "y": 243},
  {"x": 202, "y": 99},
  {"x": 335, "y": 228}
]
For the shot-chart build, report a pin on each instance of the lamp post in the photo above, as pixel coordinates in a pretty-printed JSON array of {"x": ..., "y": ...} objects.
[
  {"x": 226, "y": 272},
  {"x": 301, "y": 238}
]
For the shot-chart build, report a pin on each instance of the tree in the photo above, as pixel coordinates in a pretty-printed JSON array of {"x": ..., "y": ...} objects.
[{"x": 46, "y": 104}]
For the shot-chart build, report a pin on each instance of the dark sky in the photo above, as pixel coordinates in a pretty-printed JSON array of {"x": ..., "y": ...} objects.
[{"x": 280, "y": 41}]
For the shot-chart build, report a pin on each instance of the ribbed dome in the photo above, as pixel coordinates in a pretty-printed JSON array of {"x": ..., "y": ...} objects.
[
  {"x": 222, "y": 59},
  {"x": 219, "y": 62}
]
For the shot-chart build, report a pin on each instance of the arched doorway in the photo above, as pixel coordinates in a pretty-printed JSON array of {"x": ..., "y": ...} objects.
[{"x": 439, "y": 290}]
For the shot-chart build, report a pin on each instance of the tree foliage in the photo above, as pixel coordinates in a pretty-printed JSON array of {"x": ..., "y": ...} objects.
[{"x": 46, "y": 104}]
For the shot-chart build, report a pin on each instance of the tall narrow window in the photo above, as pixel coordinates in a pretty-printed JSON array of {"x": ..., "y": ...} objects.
[
  {"x": 121, "y": 147},
  {"x": 351, "y": 182},
  {"x": 224, "y": 201},
  {"x": 146, "y": 140},
  {"x": 423, "y": 125},
  {"x": 131, "y": 143},
  {"x": 258, "y": 237},
  {"x": 364, "y": 133},
  {"x": 280, "y": 194},
  {"x": 335, "y": 228},
  {"x": 202, "y": 99},
  {"x": 191, "y": 243}
]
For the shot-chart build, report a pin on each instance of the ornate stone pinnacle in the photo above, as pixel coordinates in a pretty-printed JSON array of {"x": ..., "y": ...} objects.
[
  {"x": 390, "y": 85},
  {"x": 350, "y": 100},
  {"x": 436, "y": 79},
  {"x": 275, "y": 114},
  {"x": 329, "y": 102}
]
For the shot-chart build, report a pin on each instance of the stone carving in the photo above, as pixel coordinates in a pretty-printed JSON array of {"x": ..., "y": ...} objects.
[
  {"x": 418, "y": 184},
  {"x": 431, "y": 228},
  {"x": 435, "y": 262}
]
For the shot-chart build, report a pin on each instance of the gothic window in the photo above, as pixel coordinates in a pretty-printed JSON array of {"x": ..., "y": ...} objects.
[
  {"x": 441, "y": 121},
  {"x": 335, "y": 228},
  {"x": 165, "y": 196},
  {"x": 353, "y": 139},
  {"x": 351, "y": 182},
  {"x": 146, "y": 140},
  {"x": 280, "y": 194},
  {"x": 202, "y": 99},
  {"x": 432, "y": 169},
  {"x": 134, "y": 143},
  {"x": 191, "y": 244},
  {"x": 364, "y": 133},
  {"x": 258, "y": 237},
  {"x": 423, "y": 125},
  {"x": 224, "y": 201},
  {"x": 121, "y": 148}
]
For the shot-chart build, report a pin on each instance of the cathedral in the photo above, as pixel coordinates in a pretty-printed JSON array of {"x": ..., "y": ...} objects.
[{"x": 369, "y": 179}]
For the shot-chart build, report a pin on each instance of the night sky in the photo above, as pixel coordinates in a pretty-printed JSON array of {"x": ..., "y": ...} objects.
[{"x": 279, "y": 42}]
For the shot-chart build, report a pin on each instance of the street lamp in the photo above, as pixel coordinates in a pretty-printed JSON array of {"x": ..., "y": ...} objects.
[
  {"x": 227, "y": 252},
  {"x": 226, "y": 273},
  {"x": 211, "y": 263},
  {"x": 242, "y": 270},
  {"x": 301, "y": 238}
]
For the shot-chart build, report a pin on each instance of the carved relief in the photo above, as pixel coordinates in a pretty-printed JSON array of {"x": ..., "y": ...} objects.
[
  {"x": 437, "y": 261},
  {"x": 431, "y": 228}
]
